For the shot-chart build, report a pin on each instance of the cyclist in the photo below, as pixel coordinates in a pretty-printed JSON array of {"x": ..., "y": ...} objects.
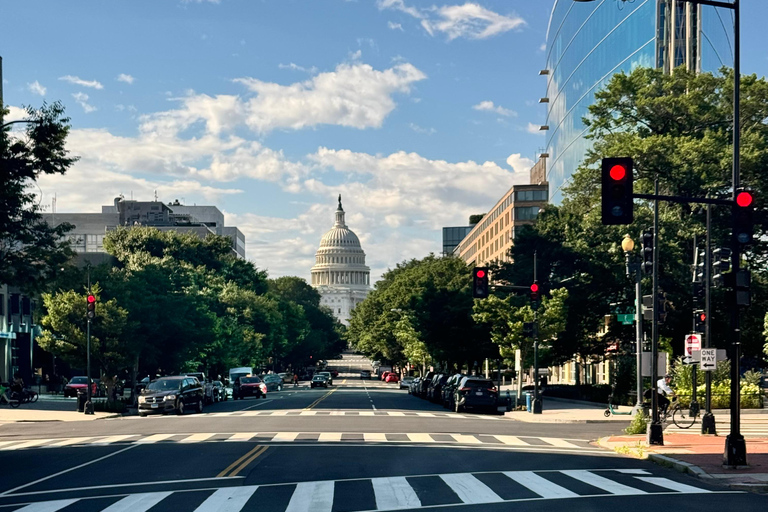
[{"x": 662, "y": 386}]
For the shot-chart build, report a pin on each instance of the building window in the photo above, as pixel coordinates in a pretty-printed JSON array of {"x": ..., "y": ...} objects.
[
  {"x": 526, "y": 212},
  {"x": 531, "y": 195}
]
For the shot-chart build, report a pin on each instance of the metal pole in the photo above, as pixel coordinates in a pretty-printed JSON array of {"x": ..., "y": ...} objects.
[
  {"x": 536, "y": 398},
  {"x": 655, "y": 432},
  {"x": 694, "y": 409},
  {"x": 88, "y": 404},
  {"x": 639, "y": 336},
  {"x": 708, "y": 419},
  {"x": 735, "y": 446}
]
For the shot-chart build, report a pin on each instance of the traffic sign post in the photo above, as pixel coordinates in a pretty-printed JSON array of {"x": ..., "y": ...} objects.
[{"x": 708, "y": 358}]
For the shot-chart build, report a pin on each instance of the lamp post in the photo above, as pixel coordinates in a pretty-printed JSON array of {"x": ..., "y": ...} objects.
[
  {"x": 634, "y": 268},
  {"x": 735, "y": 446}
]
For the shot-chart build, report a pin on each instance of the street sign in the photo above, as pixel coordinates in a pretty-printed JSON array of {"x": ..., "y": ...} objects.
[
  {"x": 8, "y": 335},
  {"x": 720, "y": 355},
  {"x": 626, "y": 319},
  {"x": 708, "y": 359},
  {"x": 692, "y": 342},
  {"x": 543, "y": 371}
]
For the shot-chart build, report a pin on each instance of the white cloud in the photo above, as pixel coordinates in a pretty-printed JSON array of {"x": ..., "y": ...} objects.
[
  {"x": 122, "y": 77},
  {"x": 82, "y": 99},
  {"x": 36, "y": 88},
  {"x": 490, "y": 107},
  {"x": 534, "y": 129},
  {"x": 470, "y": 21},
  {"x": 354, "y": 95},
  {"x": 419, "y": 129},
  {"x": 519, "y": 163},
  {"x": 296, "y": 67},
  {"x": 79, "y": 81},
  {"x": 15, "y": 114},
  {"x": 395, "y": 26}
]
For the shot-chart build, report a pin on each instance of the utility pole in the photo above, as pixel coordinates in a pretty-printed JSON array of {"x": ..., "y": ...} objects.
[{"x": 708, "y": 419}]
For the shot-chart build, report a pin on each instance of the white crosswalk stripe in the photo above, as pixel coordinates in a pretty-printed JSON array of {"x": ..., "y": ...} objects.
[
  {"x": 389, "y": 493},
  {"x": 549, "y": 443}
]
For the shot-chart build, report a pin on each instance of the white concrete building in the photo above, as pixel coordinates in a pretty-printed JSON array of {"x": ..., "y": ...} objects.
[{"x": 340, "y": 274}]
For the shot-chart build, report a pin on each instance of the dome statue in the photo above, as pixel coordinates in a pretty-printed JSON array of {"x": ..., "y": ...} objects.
[{"x": 340, "y": 274}]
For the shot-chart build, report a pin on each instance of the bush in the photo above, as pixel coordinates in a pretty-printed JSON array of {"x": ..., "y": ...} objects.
[
  {"x": 639, "y": 424},
  {"x": 751, "y": 397},
  {"x": 109, "y": 406}
]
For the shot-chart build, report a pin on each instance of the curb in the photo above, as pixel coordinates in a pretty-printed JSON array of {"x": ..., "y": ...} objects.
[{"x": 693, "y": 470}]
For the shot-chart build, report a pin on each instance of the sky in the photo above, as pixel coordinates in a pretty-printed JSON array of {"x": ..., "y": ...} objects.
[{"x": 419, "y": 113}]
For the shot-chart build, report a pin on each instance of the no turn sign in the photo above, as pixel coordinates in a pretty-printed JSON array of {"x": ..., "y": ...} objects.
[{"x": 692, "y": 342}]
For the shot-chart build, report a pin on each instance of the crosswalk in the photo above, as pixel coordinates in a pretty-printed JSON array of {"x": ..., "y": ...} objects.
[
  {"x": 488, "y": 440},
  {"x": 354, "y": 413},
  {"x": 751, "y": 425},
  {"x": 380, "y": 494}
]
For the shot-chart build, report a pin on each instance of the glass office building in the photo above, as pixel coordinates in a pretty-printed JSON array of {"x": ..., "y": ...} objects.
[{"x": 587, "y": 43}]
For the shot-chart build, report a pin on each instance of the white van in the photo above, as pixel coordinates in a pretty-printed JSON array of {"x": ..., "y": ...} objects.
[{"x": 239, "y": 372}]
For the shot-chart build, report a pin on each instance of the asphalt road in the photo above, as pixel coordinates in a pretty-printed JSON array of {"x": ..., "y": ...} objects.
[{"x": 358, "y": 446}]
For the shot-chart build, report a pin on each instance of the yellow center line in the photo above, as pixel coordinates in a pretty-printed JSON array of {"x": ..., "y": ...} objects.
[
  {"x": 248, "y": 461},
  {"x": 320, "y": 399},
  {"x": 238, "y": 461}
]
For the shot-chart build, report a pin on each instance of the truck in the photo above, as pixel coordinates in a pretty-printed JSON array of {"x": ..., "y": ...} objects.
[{"x": 239, "y": 372}]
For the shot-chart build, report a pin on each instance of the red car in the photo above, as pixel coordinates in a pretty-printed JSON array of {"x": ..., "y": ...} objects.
[
  {"x": 80, "y": 383},
  {"x": 249, "y": 385},
  {"x": 384, "y": 375},
  {"x": 391, "y": 377}
]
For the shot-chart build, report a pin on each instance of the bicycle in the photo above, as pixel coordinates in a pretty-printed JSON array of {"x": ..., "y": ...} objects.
[
  {"x": 13, "y": 399},
  {"x": 682, "y": 417}
]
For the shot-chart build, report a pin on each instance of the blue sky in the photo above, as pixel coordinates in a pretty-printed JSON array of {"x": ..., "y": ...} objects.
[{"x": 418, "y": 113}]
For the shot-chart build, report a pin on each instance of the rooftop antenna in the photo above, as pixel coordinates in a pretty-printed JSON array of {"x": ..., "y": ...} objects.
[{"x": 155, "y": 195}]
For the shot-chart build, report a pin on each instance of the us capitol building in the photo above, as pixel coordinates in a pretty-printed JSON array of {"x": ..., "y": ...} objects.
[{"x": 340, "y": 274}]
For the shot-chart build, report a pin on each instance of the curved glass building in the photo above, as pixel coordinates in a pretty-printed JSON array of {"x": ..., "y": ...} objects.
[{"x": 588, "y": 42}]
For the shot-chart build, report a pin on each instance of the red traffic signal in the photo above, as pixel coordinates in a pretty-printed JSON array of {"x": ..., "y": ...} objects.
[
  {"x": 742, "y": 216},
  {"x": 616, "y": 191},
  {"x": 534, "y": 287},
  {"x": 90, "y": 306},
  {"x": 480, "y": 284},
  {"x": 91, "y": 299},
  {"x": 535, "y": 293},
  {"x": 702, "y": 317},
  {"x": 744, "y": 198},
  {"x": 480, "y": 273}
]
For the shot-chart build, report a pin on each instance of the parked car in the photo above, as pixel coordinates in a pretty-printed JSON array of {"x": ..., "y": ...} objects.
[
  {"x": 405, "y": 382},
  {"x": 273, "y": 382},
  {"x": 392, "y": 377},
  {"x": 207, "y": 385},
  {"x": 171, "y": 394},
  {"x": 475, "y": 393},
  {"x": 249, "y": 385},
  {"x": 415, "y": 383},
  {"x": 422, "y": 391},
  {"x": 318, "y": 381},
  {"x": 434, "y": 393},
  {"x": 220, "y": 393},
  {"x": 365, "y": 374},
  {"x": 328, "y": 376},
  {"x": 77, "y": 383},
  {"x": 383, "y": 376},
  {"x": 449, "y": 388}
]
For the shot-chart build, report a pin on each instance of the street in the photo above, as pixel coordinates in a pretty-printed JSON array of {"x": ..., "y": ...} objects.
[{"x": 357, "y": 446}]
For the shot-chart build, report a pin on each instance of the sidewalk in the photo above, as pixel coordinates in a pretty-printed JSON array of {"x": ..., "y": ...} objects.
[{"x": 559, "y": 410}]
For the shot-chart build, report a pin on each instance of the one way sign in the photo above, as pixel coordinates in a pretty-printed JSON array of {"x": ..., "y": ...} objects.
[{"x": 708, "y": 359}]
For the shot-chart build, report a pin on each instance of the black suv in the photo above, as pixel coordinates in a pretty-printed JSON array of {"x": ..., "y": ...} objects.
[
  {"x": 475, "y": 393},
  {"x": 171, "y": 394}
]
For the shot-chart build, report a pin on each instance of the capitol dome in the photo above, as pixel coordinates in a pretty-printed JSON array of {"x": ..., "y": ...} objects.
[{"x": 340, "y": 273}]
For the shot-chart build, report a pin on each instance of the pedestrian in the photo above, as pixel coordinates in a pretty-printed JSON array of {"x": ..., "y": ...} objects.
[{"x": 295, "y": 380}]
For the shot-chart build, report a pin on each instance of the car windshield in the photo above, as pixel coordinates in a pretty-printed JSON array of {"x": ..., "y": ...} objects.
[
  {"x": 318, "y": 377},
  {"x": 79, "y": 380},
  {"x": 165, "y": 385},
  {"x": 250, "y": 380},
  {"x": 272, "y": 378}
]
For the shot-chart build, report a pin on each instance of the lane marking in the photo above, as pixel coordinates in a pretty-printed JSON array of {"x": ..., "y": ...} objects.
[
  {"x": 138, "y": 502},
  {"x": 10, "y": 491},
  {"x": 239, "y": 461},
  {"x": 248, "y": 461},
  {"x": 27, "y": 444},
  {"x": 376, "y": 438},
  {"x": 540, "y": 485},
  {"x": 241, "y": 436},
  {"x": 560, "y": 443},
  {"x": 285, "y": 437},
  {"x": 194, "y": 438},
  {"x": 133, "y": 484},
  {"x": 313, "y": 404},
  {"x": 671, "y": 485},
  {"x": 469, "y": 489},
  {"x": 330, "y": 436},
  {"x": 466, "y": 439},
  {"x": 512, "y": 440},
  {"x": 47, "y": 506},
  {"x": 421, "y": 438},
  {"x": 602, "y": 483},
  {"x": 154, "y": 438},
  {"x": 231, "y": 499},
  {"x": 312, "y": 497},
  {"x": 113, "y": 439},
  {"x": 67, "y": 442},
  {"x": 394, "y": 493}
]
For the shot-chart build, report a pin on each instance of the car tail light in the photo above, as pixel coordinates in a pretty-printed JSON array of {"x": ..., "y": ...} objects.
[
  {"x": 263, "y": 387},
  {"x": 492, "y": 390},
  {"x": 465, "y": 389}
]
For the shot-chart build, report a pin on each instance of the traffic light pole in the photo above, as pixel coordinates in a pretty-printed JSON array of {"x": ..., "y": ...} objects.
[
  {"x": 536, "y": 397},
  {"x": 655, "y": 432},
  {"x": 708, "y": 419},
  {"x": 88, "y": 403}
]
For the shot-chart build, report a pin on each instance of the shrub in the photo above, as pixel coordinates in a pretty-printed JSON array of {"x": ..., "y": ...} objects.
[{"x": 639, "y": 424}]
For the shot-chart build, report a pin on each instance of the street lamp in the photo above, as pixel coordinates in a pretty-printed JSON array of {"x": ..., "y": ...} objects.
[
  {"x": 735, "y": 445},
  {"x": 634, "y": 266}
]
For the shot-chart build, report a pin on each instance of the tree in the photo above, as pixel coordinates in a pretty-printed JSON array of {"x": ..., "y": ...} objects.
[{"x": 31, "y": 250}]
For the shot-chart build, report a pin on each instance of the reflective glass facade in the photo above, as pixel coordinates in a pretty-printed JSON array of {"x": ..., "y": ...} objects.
[{"x": 587, "y": 43}]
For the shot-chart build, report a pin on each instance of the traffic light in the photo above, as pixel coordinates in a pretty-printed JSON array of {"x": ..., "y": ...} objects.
[
  {"x": 699, "y": 277},
  {"x": 743, "y": 280},
  {"x": 617, "y": 191},
  {"x": 663, "y": 304},
  {"x": 742, "y": 216},
  {"x": 91, "y": 305},
  {"x": 700, "y": 320},
  {"x": 480, "y": 282},
  {"x": 647, "y": 264},
  {"x": 535, "y": 294},
  {"x": 528, "y": 329},
  {"x": 721, "y": 264},
  {"x": 699, "y": 294}
]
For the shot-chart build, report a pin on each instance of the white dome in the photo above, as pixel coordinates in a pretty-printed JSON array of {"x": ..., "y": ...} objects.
[{"x": 341, "y": 237}]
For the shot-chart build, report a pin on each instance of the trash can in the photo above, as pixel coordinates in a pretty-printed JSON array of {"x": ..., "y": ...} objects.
[
  {"x": 528, "y": 402},
  {"x": 82, "y": 397}
]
